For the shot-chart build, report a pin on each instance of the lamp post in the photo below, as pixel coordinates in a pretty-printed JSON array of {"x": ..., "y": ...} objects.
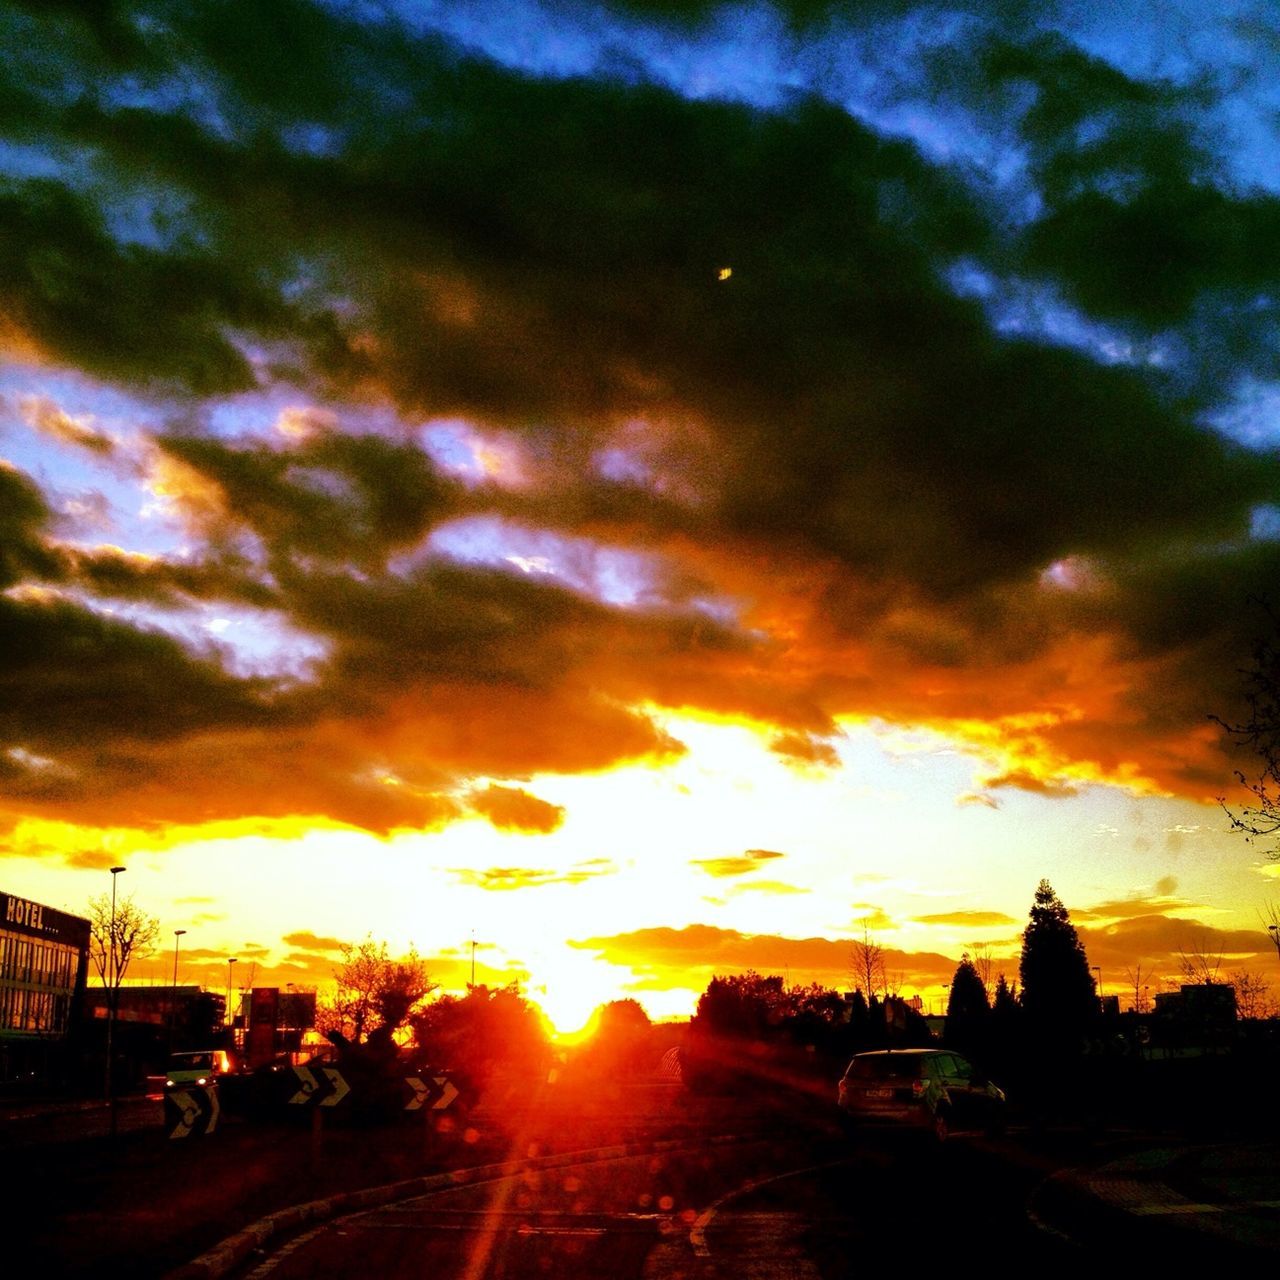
[
  {"x": 1274, "y": 931},
  {"x": 111, "y": 968},
  {"x": 173, "y": 1002},
  {"x": 230, "y": 962}
]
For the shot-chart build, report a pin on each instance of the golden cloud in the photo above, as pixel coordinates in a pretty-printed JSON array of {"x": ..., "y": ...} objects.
[
  {"x": 503, "y": 879},
  {"x": 738, "y": 865},
  {"x": 967, "y": 919}
]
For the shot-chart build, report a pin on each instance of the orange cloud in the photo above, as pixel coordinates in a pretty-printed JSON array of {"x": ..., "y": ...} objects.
[
  {"x": 690, "y": 957},
  {"x": 304, "y": 940},
  {"x": 511, "y": 809}
]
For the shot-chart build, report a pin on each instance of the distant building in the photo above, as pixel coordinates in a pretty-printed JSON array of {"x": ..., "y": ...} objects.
[
  {"x": 272, "y": 1022},
  {"x": 44, "y": 961},
  {"x": 1199, "y": 1017},
  {"x": 179, "y": 1007}
]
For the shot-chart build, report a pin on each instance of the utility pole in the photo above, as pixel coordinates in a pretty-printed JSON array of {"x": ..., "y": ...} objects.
[
  {"x": 473, "y": 957},
  {"x": 173, "y": 999}
]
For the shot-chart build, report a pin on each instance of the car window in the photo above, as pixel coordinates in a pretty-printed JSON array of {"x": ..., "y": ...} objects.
[
  {"x": 192, "y": 1061},
  {"x": 961, "y": 1069},
  {"x": 889, "y": 1066}
]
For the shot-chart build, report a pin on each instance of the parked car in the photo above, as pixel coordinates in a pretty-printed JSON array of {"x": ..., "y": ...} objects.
[
  {"x": 929, "y": 1089},
  {"x": 203, "y": 1066}
]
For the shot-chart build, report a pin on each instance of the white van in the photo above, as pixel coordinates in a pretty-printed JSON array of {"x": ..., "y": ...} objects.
[{"x": 203, "y": 1066}]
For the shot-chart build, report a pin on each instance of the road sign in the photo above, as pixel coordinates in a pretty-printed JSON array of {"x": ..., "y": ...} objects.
[
  {"x": 319, "y": 1086},
  {"x": 434, "y": 1093},
  {"x": 192, "y": 1110}
]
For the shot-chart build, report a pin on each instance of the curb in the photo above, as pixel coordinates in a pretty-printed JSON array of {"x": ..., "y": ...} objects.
[{"x": 229, "y": 1253}]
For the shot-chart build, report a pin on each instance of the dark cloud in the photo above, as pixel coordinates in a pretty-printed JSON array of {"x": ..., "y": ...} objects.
[
  {"x": 346, "y": 499},
  {"x": 829, "y": 442}
]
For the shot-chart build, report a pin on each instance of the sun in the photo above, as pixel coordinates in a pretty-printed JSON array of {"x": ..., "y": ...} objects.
[{"x": 569, "y": 989}]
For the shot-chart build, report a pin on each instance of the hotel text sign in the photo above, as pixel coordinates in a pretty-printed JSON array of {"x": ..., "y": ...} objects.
[{"x": 21, "y": 915}]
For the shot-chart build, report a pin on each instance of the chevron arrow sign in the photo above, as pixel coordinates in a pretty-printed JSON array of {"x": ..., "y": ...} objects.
[
  {"x": 432, "y": 1093},
  {"x": 448, "y": 1091},
  {"x": 194, "y": 1110}
]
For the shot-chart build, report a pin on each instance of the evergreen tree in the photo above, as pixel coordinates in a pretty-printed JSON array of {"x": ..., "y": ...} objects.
[
  {"x": 967, "y": 1011},
  {"x": 1006, "y": 1022},
  {"x": 1058, "y": 996},
  {"x": 1005, "y": 1003}
]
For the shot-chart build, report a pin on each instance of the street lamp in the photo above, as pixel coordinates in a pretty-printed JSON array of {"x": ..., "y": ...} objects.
[
  {"x": 1274, "y": 931},
  {"x": 229, "y": 964},
  {"x": 173, "y": 1003},
  {"x": 111, "y": 1000}
]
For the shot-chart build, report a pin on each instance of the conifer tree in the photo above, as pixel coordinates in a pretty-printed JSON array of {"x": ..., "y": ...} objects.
[
  {"x": 967, "y": 1011},
  {"x": 1058, "y": 995}
]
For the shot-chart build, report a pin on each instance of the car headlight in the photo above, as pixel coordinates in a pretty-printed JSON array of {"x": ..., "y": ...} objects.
[{"x": 203, "y": 1080}]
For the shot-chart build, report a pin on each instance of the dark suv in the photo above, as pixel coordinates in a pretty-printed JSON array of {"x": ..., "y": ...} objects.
[{"x": 932, "y": 1089}]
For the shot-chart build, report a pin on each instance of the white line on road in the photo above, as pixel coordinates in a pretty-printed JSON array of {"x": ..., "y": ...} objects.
[{"x": 698, "y": 1235}]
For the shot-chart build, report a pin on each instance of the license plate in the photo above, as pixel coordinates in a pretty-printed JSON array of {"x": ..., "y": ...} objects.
[{"x": 879, "y": 1093}]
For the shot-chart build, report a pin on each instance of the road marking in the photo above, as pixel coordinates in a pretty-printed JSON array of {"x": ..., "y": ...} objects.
[{"x": 698, "y": 1235}]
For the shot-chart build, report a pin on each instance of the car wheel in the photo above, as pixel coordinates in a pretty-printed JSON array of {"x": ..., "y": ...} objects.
[{"x": 941, "y": 1125}]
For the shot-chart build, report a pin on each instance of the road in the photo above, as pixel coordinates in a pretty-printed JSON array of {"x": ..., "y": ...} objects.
[
  {"x": 794, "y": 1208},
  {"x": 642, "y": 1183}
]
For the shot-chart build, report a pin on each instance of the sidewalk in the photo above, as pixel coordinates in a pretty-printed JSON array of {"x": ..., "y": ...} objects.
[
  {"x": 27, "y": 1121},
  {"x": 1213, "y": 1201}
]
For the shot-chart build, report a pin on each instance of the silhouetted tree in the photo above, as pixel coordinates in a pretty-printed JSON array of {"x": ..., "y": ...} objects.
[
  {"x": 622, "y": 1018},
  {"x": 1198, "y": 964},
  {"x": 744, "y": 1005},
  {"x": 115, "y": 940},
  {"x": 486, "y": 1030},
  {"x": 374, "y": 990},
  {"x": 1253, "y": 995},
  {"x": 1135, "y": 977},
  {"x": 1004, "y": 1031},
  {"x": 1259, "y": 732},
  {"x": 967, "y": 1011},
  {"x": 1057, "y": 991},
  {"x": 617, "y": 1045},
  {"x": 866, "y": 964}
]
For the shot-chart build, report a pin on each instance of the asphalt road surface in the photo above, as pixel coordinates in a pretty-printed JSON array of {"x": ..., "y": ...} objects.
[
  {"x": 777, "y": 1209},
  {"x": 637, "y": 1183}
]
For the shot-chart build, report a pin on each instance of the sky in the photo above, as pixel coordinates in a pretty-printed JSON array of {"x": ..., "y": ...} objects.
[{"x": 647, "y": 489}]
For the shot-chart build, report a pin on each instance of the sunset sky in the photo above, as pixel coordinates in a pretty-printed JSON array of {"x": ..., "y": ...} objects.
[{"x": 655, "y": 488}]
